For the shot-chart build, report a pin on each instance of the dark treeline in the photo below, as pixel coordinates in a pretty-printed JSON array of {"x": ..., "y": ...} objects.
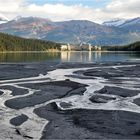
[
  {"x": 13, "y": 43},
  {"x": 131, "y": 47}
]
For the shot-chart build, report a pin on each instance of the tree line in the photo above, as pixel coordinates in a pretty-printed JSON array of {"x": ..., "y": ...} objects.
[
  {"x": 131, "y": 47},
  {"x": 13, "y": 43}
]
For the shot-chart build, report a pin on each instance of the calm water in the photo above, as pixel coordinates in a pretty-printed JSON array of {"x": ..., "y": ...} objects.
[{"x": 68, "y": 57}]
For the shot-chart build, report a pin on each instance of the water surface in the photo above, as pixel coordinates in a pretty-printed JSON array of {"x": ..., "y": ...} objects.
[{"x": 68, "y": 56}]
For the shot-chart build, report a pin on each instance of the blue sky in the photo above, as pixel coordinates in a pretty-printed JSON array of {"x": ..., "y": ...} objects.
[{"x": 90, "y": 3}]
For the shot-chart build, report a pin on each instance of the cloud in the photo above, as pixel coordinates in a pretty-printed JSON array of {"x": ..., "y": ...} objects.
[
  {"x": 11, "y": 8},
  {"x": 60, "y": 11},
  {"x": 125, "y": 8},
  {"x": 10, "y": 5}
]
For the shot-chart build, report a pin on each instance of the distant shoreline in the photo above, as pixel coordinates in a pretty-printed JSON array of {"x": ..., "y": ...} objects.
[{"x": 59, "y": 51}]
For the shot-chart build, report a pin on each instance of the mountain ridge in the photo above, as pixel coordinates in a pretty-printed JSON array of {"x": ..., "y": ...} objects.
[
  {"x": 73, "y": 31},
  {"x": 114, "y": 22}
]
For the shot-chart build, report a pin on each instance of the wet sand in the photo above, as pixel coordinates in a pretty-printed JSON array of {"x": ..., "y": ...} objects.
[
  {"x": 89, "y": 124},
  {"x": 70, "y": 101}
]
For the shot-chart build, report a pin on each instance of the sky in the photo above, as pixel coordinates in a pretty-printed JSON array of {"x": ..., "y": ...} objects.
[{"x": 62, "y": 10}]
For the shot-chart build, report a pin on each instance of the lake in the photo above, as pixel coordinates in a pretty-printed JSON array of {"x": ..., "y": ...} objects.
[{"x": 68, "y": 56}]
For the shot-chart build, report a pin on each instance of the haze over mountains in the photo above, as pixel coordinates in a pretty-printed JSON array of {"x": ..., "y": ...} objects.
[{"x": 114, "y": 32}]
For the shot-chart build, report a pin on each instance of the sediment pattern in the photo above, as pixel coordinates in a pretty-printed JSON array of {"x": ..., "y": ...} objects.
[{"x": 71, "y": 101}]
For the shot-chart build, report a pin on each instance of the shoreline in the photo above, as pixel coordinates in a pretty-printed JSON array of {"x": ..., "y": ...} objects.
[{"x": 60, "y": 51}]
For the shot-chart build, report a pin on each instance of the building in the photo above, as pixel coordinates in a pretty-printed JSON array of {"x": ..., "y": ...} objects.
[
  {"x": 64, "y": 47},
  {"x": 69, "y": 47},
  {"x": 80, "y": 47},
  {"x": 89, "y": 47},
  {"x": 97, "y": 48},
  {"x": 85, "y": 46}
]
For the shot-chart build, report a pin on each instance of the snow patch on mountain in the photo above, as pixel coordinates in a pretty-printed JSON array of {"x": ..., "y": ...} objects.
[
  {"x": 131, "y": 22},
  {"x": 114, "y": 22},
  {"x": 17, "y": 18}
]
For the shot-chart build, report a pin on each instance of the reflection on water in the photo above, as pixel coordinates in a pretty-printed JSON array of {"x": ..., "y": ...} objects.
[
  {"x": 80, "y": 56},
  {"x": 97, "y": 56},
  {"x": 28, "y": 57},
  {"x": 68, "y": 56}
]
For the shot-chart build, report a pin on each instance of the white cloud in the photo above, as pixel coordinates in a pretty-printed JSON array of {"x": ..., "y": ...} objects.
[
  {"x": 124, "y": 8},
  {"x": 57, "y": 12},
  {"x": 10, "y": 5},
  {"x": 62, "y": 12},
  {"x": 11, "y": 8}
]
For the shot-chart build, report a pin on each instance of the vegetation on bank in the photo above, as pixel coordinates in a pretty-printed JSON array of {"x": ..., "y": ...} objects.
[
  {"x": 13, "y": 43},
  {"x": 131, "y": 47}
]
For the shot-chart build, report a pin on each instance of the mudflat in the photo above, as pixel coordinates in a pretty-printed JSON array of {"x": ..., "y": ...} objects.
[{"x": 70, "y": 100}]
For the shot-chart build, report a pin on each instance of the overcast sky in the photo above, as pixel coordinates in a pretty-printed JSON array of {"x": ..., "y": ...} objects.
[{"x": 59, "y": 10}]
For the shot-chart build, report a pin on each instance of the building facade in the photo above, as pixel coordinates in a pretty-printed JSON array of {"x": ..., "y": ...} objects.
[{"x": 81, "y": 47}]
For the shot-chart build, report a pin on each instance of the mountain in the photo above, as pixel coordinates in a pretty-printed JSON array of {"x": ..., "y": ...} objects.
[
  {"x": 74, "y": 31},
  {"x": 122, "y": 22},
  {"x": 131, "y": 22},
  {"x": 77, "y": 31},
  {"x": 3, "y": 19},
  {"x": 29, "y": 27},
  {"x": 132, "y": 26},
  {"x": 114, "y": 22},
  {"x": 18, "y": 18}
]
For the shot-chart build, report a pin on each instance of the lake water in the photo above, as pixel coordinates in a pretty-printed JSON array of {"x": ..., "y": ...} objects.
[{"x": 68, "y": 57}]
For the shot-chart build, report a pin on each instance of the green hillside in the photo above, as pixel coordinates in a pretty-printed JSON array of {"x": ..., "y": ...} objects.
[{"x": 13, "y": 43}]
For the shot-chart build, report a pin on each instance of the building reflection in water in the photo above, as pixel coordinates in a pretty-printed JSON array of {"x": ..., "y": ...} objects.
[
  {"x": 79, "y": 56},
  {"x": 97, "y": 55}
]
